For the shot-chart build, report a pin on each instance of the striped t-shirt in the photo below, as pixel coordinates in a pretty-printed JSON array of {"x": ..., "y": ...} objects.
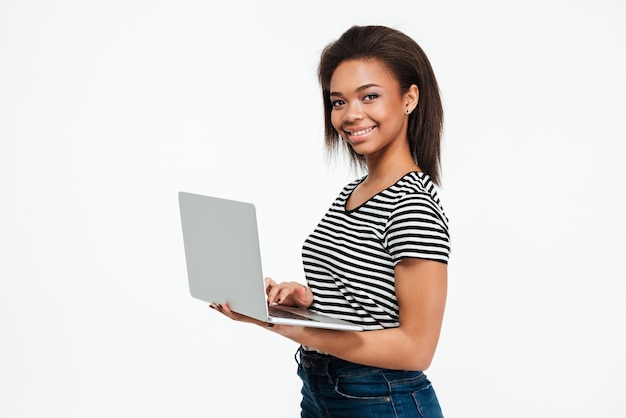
[{"x": 349, "y": 258}]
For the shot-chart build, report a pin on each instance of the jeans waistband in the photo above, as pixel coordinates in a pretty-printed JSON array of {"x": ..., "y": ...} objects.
[{"x": 316, "y": 363}]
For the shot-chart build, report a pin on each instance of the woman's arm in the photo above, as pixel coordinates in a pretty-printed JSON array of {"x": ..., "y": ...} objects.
[{"x": 421, "y": 288}]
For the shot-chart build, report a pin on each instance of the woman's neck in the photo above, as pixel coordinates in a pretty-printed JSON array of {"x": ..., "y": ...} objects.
[{"x": 384, "y": 172}]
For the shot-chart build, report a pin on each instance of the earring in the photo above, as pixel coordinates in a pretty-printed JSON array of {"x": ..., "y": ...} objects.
[{"x": 407, "y": 111}]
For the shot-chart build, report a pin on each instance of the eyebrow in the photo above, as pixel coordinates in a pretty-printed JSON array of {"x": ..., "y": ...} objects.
[{"x": 358, "y": 90}]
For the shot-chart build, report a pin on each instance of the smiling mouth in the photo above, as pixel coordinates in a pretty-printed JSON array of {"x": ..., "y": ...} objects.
[{"x": 360, "y": 132}]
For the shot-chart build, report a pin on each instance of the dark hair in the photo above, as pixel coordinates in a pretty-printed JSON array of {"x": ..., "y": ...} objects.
[{"x": 408, "y": 64}]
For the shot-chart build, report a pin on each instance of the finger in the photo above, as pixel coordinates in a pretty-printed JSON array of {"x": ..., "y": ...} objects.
[
  {"x": 269, "y": 284},
  {"x": 225, "y": 309},
  {"x": 272, "y": 294},
  {"x": 235, "y": 316},
  {"x": 279, "y": 293},
  {"x": 283, "y": 294}
]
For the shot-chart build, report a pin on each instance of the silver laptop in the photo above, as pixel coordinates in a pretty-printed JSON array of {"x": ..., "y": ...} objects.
[{"x": 223, "y": 259}]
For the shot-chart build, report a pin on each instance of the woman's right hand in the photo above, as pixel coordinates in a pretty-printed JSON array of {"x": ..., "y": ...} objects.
[{"x": 288, "y": 293}]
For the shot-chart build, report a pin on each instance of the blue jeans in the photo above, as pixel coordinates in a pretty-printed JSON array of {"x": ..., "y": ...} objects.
[{"x": 334, "y": 388}]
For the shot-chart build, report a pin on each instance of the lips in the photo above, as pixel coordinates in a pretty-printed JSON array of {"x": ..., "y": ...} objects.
[{"x": 358, "y": 133}]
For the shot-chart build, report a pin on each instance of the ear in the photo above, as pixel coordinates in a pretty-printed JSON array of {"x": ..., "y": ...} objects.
[{"x": 411, "y": 98}]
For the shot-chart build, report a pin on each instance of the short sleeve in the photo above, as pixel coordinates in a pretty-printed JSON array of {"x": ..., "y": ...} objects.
[{"x": 417, "y": 228}]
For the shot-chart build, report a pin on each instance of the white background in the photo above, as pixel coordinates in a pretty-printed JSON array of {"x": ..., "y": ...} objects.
[{"x": 109, "y": 108}]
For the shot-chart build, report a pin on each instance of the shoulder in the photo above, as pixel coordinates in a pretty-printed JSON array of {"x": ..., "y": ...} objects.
[
  {"x": 416, "y": 202},
  {"x": 416, "y": 189},
  {"x": 416, "y": 183}
]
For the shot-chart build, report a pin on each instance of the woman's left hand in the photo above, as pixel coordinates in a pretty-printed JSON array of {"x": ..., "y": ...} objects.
[
  {"x": 224, "y": 309},
  {"x": 288, "y": 331}
]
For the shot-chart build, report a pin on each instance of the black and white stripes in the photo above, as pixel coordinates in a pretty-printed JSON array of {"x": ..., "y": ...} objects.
[{"x": 349, "y": 258}]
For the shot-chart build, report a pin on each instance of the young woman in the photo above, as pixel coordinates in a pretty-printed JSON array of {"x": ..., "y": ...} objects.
[{"x": 379, "y": 256}]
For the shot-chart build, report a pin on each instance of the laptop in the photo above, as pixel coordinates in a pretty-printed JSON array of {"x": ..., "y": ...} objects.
[{"x": 223, "y": 258}]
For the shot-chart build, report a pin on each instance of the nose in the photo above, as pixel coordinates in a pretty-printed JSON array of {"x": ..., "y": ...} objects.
[{"x": 354, "y": 112}]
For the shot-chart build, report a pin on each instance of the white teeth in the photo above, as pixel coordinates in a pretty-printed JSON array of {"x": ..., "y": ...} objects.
[{"x": 361, "y": 132}]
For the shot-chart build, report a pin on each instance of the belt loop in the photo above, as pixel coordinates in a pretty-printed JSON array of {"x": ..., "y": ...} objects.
[{"x": 327, "y": 361}]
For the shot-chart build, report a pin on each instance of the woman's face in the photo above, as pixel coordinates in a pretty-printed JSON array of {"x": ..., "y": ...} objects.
[{"x": 368, "y": 109}]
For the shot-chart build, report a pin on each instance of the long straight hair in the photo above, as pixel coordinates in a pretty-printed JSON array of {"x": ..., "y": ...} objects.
[{"x": 408, "y": 64}]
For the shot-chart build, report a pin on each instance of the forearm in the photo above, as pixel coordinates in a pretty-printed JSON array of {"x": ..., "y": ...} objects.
[{"x": 390, "y": 348}]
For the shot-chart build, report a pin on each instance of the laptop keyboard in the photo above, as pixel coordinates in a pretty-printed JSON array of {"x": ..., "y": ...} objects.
[{"x": 279, "y": 313}]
